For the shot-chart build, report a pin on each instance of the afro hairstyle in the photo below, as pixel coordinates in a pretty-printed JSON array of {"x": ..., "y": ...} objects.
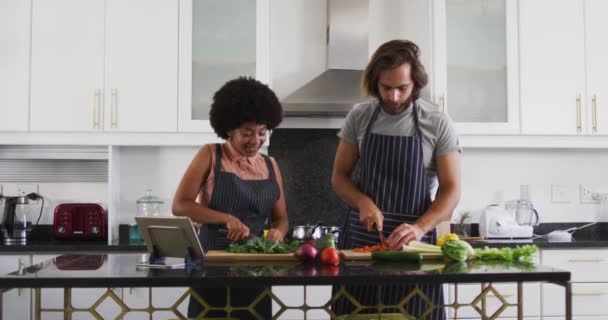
[{"x": 243, "y": 100}]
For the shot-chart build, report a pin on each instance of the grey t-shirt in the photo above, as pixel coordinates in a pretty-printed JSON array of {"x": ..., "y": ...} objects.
[{"x": 438, "y": 134}]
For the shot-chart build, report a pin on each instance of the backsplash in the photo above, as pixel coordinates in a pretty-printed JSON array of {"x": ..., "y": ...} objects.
[{"x": 306, "y": 157}]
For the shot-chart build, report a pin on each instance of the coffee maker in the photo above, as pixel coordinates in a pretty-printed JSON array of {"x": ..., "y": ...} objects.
[{"x": 17, "y": 221}]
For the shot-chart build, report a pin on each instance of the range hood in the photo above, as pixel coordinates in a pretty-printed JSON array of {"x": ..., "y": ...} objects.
[{"x": 334, "y": 92}]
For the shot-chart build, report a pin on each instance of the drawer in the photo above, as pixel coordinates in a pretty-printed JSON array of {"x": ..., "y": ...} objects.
[
  {"x": 585, "y": 265},
  {"x": 468, "y": 292},
  {"x": 588, "y": 299}
]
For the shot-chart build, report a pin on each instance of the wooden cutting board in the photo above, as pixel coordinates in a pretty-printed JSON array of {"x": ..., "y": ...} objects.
[
  {"x": 350, "y": 255},
  {"x": 221, "y": 255}
]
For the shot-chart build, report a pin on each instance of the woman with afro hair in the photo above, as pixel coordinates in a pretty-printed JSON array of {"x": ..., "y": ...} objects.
[{"x": 233, "y": 190}]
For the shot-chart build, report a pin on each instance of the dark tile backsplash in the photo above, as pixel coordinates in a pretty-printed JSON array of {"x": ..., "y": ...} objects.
[{"x": 305, "y": 157}]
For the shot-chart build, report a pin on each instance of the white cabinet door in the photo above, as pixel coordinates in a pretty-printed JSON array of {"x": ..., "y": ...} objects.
[
  {"x": 218, "y": 43},
  {"x": 597, "y": 66},
  {"x": 67, "y": 65},
  {"x": 139, "y": 298},
  {"x": 475, "y": 64},
  {"x": 15, "y": 302},
  {"x": 552, "y": 66},
  {"x": 141, "y": 68},
  {"x": 14, "y": 64}
]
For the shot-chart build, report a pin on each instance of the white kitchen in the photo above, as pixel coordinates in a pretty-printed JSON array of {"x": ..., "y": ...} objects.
[{"x": 107, "y": 101}]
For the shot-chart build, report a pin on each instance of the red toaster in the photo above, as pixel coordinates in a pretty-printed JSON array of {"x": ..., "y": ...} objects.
[{"x": 79, "y": 221}]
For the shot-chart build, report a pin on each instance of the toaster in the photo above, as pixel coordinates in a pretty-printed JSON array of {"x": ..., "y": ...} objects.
[{"x": 79, "y": 221}]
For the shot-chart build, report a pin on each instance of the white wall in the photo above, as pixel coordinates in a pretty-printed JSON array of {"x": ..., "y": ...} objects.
[{"x": 494, "y": 176}]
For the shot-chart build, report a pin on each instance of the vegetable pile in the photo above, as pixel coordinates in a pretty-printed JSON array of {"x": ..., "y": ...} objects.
[
  {"x": 324, "y": 249},
  {"x": 518, "y": 254},
  {"x": 262, "y": 245}
]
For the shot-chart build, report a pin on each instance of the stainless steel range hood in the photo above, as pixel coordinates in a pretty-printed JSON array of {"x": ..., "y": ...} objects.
[{"x": 334, "y": 92}]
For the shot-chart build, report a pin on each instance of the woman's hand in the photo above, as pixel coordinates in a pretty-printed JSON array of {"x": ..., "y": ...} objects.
[
  {"x": 404, "y": 234},
  {"x": 275, "y": 234},
  {"x": 370, "y": 215},
  {"x": 237, "y": 230}
]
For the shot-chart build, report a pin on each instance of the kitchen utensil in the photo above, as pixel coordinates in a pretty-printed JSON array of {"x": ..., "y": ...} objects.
[
  {"x": 221, "y": 255},
  {"x": 565, "y": 235},
  {"x": 351, "y": 255},
  {"x": 18, "y": 217},
  {"x": 526, "y": 215},
  {"x": 314, "y": 232},
  {"x": 79, "y": 221},
  {"x": 381, "y": 236},
  {"x": 147, "y": 206},
  {"x": 497, "y": 223}
]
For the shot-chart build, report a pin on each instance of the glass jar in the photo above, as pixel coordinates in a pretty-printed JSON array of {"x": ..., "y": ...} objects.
[{"x": 147, "y": 206}]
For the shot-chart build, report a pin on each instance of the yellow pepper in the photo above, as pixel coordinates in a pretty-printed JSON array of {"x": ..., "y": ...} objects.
[{"x": 447, "y": 236}]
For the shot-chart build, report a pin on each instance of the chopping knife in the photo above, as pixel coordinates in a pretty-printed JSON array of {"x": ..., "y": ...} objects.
[{"x": 381, "y": 236}]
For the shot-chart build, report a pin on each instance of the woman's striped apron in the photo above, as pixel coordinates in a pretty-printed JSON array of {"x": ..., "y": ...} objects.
[
  {"x": 251, "y": 201},
  {"x": 392, "y": 174}
]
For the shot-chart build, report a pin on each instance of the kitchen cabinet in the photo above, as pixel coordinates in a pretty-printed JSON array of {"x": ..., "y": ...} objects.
[
  {"x": 218, "y": 43},
  {"x": 552, "y": 57},
  {"x": 596, "y": 31},
  {"x": 589, "y": 282},
  {"x": 14, "y": 64},
  {"x": 15, "y": 302},
  {"x": 475, "y": 64},
  {"x": 93, "y": 69},
  {"x": 554, "y": 97}
]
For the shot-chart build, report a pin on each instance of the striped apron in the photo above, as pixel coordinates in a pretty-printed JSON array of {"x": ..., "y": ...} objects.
[
  {"x": 392, "y": 174},
  {"x": 251, "y": 201}
]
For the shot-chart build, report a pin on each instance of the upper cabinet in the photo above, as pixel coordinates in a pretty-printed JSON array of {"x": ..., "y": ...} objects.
[
  {"x": 94, "y": 69},
  {"x": 14, "y": 64},
  {"x": 218, "y": 41},
  {"x": 596, "y": 29},
  {"x": 475, "y": 71},
  {"x": 552, "y": 56}
]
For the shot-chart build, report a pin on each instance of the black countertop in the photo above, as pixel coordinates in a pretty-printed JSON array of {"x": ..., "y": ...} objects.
[
  {"x": 595, "y": 236},
  {"x": 119, "y": 270}
]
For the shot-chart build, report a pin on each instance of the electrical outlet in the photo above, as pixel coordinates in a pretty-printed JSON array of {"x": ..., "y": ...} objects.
[
  {"x": 587, "y": 195},
  {"x": 19, "y": 189}
]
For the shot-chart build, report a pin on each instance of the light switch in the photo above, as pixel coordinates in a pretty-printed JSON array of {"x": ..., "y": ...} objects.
[{"x": 561, "y": 193}]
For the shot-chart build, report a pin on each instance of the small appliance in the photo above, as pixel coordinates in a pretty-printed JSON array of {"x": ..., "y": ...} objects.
[
  {"x": 17, "y": 218},
  {"x": 498, "y": 223},
  {"x": 79, "y": 221}
]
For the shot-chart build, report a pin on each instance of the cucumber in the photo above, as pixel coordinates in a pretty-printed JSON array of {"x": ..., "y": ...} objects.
[{"x": 396, "y": 256}]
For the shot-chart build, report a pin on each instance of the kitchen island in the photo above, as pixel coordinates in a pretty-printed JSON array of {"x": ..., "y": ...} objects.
[{"x": 119, "y": 270}]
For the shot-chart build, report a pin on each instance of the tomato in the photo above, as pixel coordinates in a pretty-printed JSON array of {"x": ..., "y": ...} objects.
[{"x": 330, "y": 256}]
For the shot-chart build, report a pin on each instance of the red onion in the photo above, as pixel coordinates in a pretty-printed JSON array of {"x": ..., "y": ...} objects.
[{"x": 306, "y": 252}]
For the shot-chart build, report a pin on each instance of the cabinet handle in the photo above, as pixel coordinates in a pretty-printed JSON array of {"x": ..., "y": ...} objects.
[
  {"x": 594, "y": 103},
  {"x": 96, "y": 95},
  {"x": 587, "y": 260},
  {"x": 579, "y": 121},
  {"x": 589, "y": 293},
  {"x": 442, "y": 102},
  {"x": 113, "y": 108}
]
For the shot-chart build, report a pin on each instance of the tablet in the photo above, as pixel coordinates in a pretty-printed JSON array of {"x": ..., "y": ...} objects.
[{"x": 170, "y": 236}]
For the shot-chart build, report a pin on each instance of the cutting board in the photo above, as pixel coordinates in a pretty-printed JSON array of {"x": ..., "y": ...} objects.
[
  {"x": 221, "y": 255},
  {"x": 350, "y": 255}
]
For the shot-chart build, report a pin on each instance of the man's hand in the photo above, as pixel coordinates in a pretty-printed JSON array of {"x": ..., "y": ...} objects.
[
  {"x": 237, "y": 230},
  {"x": 370, "y": 215},
  {"x": 404, "y": 234},
  {"x": 275, "y": 234}
]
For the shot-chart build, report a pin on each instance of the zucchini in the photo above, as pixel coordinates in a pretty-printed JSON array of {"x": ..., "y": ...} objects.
[{"x": 396, "y": 256}]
